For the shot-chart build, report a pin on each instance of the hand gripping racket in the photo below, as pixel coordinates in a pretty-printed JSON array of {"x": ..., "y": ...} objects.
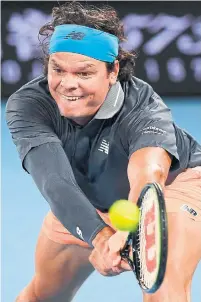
[{"x": 146, "y": 249}]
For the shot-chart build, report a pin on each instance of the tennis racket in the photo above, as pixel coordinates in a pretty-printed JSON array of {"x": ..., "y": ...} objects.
[{"x": 146, "y": 249}]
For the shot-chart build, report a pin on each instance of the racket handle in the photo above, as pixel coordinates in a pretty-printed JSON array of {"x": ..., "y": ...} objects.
[{"x": 124, "y": 253}]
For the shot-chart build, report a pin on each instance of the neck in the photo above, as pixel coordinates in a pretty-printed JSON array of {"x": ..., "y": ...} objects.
[{"x": 82, "y": 120}]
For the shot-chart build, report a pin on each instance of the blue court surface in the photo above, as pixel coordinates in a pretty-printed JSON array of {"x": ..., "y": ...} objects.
[{"x": 23, "y": 209}]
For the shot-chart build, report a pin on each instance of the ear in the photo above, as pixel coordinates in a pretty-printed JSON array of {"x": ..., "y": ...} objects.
[{"x": 114, "y": 74}]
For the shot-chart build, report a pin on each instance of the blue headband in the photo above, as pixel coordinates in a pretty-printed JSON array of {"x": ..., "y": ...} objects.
[{"x": 84, "y": 40}]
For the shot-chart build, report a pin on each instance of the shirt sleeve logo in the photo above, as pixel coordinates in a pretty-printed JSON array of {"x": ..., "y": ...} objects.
[
  {"x": 153, "y": 130},
  {"x": 79, "y": 232}
]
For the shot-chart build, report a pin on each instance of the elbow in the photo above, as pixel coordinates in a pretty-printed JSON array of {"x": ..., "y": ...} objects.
[
  {"x": 150, "y": 173},
  {"x": 54, "y": 189},
  {"x": 156, "y": 173}
]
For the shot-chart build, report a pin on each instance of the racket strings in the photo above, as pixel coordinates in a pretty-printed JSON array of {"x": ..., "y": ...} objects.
[{"x": 149, "y": 203}]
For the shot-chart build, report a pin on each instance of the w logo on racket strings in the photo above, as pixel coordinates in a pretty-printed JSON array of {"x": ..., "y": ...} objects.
[
  {"x": 150, "y": 239},
  {"x": 104, "y": 147}
]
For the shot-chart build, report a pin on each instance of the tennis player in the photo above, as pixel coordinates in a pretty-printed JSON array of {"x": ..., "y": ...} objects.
[{"x": 89, "y": 133}]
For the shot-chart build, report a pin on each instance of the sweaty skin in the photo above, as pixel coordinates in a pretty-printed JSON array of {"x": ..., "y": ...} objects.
[
  {"x": 74, "y": 83},
  {"x": 106, "y": 255},
  {"x": 61, "y": 269}
]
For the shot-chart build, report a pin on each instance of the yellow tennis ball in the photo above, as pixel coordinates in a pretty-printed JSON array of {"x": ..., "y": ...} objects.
[{"x": 124, "y": 215}]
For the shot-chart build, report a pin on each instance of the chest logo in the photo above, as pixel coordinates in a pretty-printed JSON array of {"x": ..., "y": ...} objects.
[{"x": 104, "y": 146}]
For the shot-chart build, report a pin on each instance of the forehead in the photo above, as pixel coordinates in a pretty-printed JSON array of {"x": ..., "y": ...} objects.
[{"x": 68, "y": 60}]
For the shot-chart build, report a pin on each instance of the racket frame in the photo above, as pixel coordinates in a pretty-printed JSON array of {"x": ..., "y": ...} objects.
[{"x": 163, "y": 231}]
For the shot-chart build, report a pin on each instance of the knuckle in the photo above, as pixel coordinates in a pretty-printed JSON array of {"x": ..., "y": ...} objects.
[
  {"x": 91, "y": 260},
  {"x": 116, "y": 270},
  {"x": 101, "y": 271}
]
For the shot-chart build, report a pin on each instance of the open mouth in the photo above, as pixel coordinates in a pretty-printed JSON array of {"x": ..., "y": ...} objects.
[{"x": 71, "y": 98}]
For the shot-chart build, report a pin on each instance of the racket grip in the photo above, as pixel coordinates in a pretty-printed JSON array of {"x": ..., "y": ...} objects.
[{"x": 124, "y": 253}]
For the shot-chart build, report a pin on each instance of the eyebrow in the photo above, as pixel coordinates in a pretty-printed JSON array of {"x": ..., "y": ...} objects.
[{"x": 86, "y": 66}]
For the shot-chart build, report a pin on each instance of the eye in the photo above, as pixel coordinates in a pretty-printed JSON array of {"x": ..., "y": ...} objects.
[
  {"x": 58, "y": 70},
  {"x": 84, "y": 74}
]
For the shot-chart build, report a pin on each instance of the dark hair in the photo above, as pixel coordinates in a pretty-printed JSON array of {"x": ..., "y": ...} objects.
[{"x": 104, "y": 18}]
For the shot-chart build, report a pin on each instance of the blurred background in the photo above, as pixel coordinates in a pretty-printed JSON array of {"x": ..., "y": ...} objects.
[{"x": 167, "y": 36}]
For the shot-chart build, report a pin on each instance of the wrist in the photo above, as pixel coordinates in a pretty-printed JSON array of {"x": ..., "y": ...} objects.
[{"x": 103, "y": 235}]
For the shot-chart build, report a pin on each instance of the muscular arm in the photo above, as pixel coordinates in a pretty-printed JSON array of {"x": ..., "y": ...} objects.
[{"x": 150, "y": 164}]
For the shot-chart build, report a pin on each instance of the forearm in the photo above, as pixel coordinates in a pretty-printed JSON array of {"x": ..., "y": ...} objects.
[
  {"x": 53, "y": 176},
  {"x": 138, "y": 177},
  {"x": 151, "y": 174},
  {"x": 147, "y": 165}
]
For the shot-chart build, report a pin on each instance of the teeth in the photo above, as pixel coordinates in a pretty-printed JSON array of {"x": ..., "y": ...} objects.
[{"x": 71, "y": 98}]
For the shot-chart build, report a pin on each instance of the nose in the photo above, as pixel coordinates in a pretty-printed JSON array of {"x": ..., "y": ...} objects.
[{"x": 69, "y": 82}]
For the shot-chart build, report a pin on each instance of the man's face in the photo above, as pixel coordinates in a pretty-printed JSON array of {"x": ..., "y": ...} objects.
[{"x": 79, "y": 84}]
